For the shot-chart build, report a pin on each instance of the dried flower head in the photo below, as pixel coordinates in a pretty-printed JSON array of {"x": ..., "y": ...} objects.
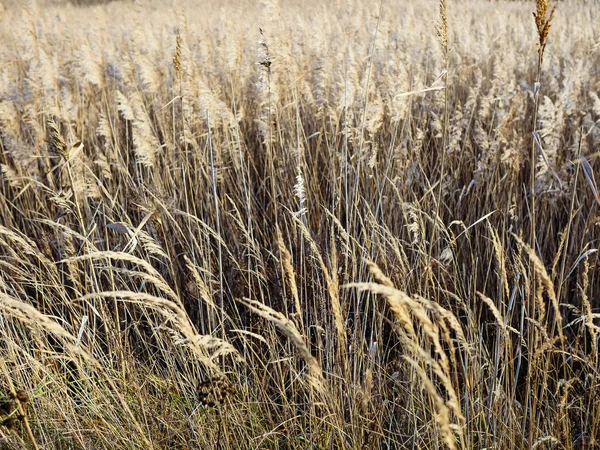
[
  {"x": 264, "y": 58},
  {"x": 214, "y": 391},
  {"x": 442, "y": 27},
  {"x": 22, "y": 396},
  {"x": 177, "y": 57},
  {"x": 55, "y": 140},
  {"x": 543, "y": 24}
]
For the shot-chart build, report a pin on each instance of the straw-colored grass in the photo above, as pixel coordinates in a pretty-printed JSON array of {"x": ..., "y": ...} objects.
[{"x": 299, "y": 224}]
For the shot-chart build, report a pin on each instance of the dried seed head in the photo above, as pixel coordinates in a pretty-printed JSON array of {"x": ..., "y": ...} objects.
[
  {"x": 22, "y": 396},
  {"x": 442, "y": 27},
  {"x": 177, "y": 57},
  {"x": 214, "y": 391},
  {"x": 543, "y": 24},
  {"x": 264, "y": 58},
  {"x": 55, "y": 140}
]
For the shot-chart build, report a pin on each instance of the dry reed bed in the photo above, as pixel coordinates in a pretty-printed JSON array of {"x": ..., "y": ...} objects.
[{"x": 269, "y": 226}]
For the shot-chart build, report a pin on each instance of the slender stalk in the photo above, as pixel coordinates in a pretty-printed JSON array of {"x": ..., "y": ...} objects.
[
  {"x": 218, "y": 224},
  {"x": 364, "y": 115},
  {"x": 571, "y": 216},
  {"x": 442, "y": 30},
  {"x": 543, "y": 21}
]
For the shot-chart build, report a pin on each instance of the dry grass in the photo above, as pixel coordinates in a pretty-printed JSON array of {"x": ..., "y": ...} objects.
[{"x": 285, "y": 224}]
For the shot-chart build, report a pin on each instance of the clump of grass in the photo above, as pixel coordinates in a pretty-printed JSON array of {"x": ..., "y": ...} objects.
[{"x": 281, "y": 199}]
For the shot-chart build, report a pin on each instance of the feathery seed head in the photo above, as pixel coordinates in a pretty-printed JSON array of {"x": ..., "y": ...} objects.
[
  {"x": 442, "y": 27},
  {"x": 177, "y": 57},
  {"x": 55, "y": 140},
  {"x": 543, "y": 24}
]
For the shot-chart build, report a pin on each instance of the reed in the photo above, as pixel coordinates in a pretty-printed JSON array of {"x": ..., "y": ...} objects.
[{"x": 299, "y": 225}]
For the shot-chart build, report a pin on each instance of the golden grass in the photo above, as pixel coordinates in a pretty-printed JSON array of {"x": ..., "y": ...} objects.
[{"x": 299, "y": 225}]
